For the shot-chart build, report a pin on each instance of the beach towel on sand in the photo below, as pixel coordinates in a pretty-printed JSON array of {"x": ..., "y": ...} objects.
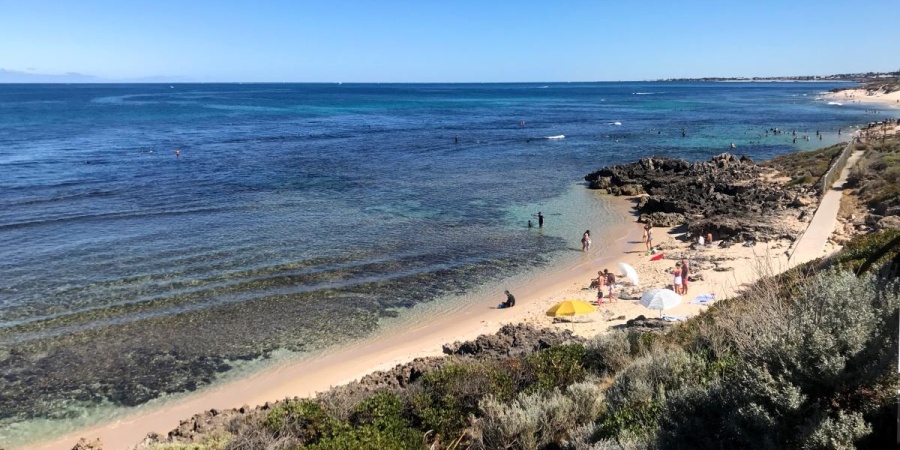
[
  {"x": 657, "y": 257},
  {"x": 703, "y": 299},
  {"x": 673, "y": 317}
]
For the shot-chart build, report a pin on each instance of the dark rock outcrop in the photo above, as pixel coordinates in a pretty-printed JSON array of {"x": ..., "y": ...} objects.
[
  {"x": 511, "y": 340},
  {"x": 727, "y": 196}
]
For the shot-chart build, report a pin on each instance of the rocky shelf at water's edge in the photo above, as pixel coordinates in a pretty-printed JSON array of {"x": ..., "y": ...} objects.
[{"x": 732, "y": 197}]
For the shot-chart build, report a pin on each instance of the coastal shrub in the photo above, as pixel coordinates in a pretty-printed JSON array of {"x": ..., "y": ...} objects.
[
  {"x": 868, "y": 250},
  {"x": 250, "y": 433},
  {"x": 214, "y": 441},
  {"x": 607, "y": 354},
  {"x": 302, "y": 419},
  {"x": 447, "y": 396},
  {"x": 340, "y": 403},
  {"x": 535, "y": 420},
  {"x": 822, "y": 375},
  {"x": 638, "y": 394},
  {"x": 840, "y": 432},
  {"x": 378, "y": 423},
  {"x": 557, "y": 367},
  {"x": 805, "y": 167}
]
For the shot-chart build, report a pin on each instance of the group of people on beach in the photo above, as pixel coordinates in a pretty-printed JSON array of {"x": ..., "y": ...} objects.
[{"x": 605, "y": 280}]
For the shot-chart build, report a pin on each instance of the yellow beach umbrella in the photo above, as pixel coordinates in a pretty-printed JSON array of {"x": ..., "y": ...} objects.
[{"x": 570, "y": 308}]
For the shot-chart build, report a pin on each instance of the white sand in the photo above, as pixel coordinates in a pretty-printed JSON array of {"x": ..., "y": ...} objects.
[
  {"x": 891, "y": 100},
  {"x": 740, "y": 265}
]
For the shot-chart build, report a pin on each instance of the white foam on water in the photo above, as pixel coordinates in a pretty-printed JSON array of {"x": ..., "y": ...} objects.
[
  {"x": 835, "y": 103},
  {"x": 558, "y": 136}
]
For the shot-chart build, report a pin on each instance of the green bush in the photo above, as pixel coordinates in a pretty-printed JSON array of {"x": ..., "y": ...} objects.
[
  {"x": 638, "y": 394},
  {"x": 450, "y": 394},
  {"x": 820, "y": 374},
  {"x": 557, "y": 367},
  {"x": 302, "y": 419},
  {"x": 607, "y": 354},
  {"x": 536, "y": 420},
  {"x": 379, "y": 423},
  {"x": 215, "y": 441}
]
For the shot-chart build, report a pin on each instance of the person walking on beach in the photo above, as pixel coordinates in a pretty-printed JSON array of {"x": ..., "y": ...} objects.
[
  {"x": 649, "y": 238},
  {"x": 646, "y": 233},
  {"x": 540, "y": 218},
  {"x": 586, "y": 241}
]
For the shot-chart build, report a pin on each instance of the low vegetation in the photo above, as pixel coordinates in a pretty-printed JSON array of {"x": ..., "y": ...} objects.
[
  {"x": 806, "y": 168},
  {"x": 876, "y": 177}
]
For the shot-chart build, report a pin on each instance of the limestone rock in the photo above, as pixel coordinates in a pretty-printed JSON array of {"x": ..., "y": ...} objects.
[
  {"x": 888, "y": 222},
  {"x": 661, "y": 219},
  {"x": 84, "y": 444},
  {"x": 727, "y": 196}
]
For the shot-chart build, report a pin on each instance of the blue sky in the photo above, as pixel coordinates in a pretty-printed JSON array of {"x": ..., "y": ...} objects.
[{"x": 454, "y": 41}]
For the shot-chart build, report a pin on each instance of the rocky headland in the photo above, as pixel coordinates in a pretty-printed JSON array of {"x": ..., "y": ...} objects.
[{"x": 734, "y": 198}]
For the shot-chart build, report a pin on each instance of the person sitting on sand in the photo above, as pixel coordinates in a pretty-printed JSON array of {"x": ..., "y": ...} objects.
[
  {"x": 597, "y": 282},
  {"x": 510, "y": 301}
]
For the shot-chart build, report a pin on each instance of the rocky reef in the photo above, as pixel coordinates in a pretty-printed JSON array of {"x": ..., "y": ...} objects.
[{"x": 732, "y": 197}]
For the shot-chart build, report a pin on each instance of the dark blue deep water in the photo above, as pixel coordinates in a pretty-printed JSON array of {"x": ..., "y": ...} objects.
[{"x": 127, "y": 273}]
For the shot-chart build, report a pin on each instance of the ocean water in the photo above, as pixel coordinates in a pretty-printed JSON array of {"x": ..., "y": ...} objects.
[{"x": 300, "y": 217}]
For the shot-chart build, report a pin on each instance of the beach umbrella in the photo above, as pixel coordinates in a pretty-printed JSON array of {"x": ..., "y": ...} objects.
[
  {"x": 570, "y": 308},
  {"x": 629, "y": 272},
  {"x": 660, "y": 299}
]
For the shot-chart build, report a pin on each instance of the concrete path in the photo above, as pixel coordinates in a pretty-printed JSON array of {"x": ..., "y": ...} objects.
[{"x": 811, "y": 244}]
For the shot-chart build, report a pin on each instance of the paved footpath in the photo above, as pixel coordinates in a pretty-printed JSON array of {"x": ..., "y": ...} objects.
[{"x": 811, "y": 244}]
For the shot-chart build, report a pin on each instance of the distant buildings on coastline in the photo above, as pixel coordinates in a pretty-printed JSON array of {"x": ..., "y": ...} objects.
[{"x": 855, "y": 77}]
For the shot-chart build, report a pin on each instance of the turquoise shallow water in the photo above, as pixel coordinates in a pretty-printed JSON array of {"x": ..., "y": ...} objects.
[{"x": 130, "y": 274}]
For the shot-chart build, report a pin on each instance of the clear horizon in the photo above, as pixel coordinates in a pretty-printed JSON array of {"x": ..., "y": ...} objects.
[{"x": 463, "y": 42}]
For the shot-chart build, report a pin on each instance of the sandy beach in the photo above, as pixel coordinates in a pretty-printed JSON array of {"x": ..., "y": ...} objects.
[
  {"x": 717, "y": 271},
  {"x": 890, "y": 100}
]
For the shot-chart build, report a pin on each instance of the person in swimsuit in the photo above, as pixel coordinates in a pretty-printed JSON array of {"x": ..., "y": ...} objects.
[
  {"x": 685, "y": 271},
  {"x": 676, "y": 283}
]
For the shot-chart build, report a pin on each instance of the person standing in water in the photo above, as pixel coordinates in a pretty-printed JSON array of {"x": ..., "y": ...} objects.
[
  {"x": 586, "y": 241},
  {"x": 540, "y": 219}
]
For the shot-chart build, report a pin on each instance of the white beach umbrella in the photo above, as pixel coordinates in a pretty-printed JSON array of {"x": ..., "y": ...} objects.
[
  {"x": 629, "y": 272},
  {"x": 660, "y": 299}
]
